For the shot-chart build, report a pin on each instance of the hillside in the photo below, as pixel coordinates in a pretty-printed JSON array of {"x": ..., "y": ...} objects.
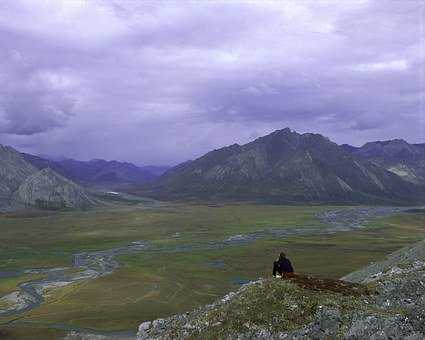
[
  {"x": 22, "y": 185},
  {"x": 13, "y": 171},
  {"x": 382, "y": 301},
  {"x": 48, "y": 190},
  {"x": 288, "y": 167},
  {"x": 403, "y": 159}
]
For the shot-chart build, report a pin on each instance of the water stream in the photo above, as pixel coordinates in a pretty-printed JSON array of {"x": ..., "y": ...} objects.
[{"x": 91, "y": 265}]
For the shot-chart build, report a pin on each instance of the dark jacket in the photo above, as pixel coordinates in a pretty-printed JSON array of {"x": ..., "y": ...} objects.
[{"x": 282, "y": 266}]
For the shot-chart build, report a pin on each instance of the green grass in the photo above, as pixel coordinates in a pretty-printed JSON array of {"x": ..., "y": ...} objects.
[
  {"x": 9, "y": 284},
  {"x": 152, "y": 285},
  {"x": 51, "y": 240}
]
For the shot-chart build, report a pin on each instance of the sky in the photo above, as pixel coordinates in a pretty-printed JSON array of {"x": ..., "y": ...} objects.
[{"x": 161, "y": 82}]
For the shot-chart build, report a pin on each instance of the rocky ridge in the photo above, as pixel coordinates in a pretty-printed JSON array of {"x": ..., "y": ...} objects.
[
  {"x": 286, "y": 166},
  {"x": 397, "y": 156}
]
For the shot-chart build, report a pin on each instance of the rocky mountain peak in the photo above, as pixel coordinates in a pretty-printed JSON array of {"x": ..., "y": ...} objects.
[
  {"x": 390, "y": 148},
  {"x": 287, "y": 165},
  {"x": 285, "y": 134},
  {"x": 290, "y": 137}
]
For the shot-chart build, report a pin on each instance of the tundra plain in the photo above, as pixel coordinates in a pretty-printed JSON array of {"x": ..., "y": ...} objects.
[{"x": 196, "y": 253}]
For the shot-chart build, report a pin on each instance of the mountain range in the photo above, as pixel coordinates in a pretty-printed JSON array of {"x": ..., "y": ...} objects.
[
  {"x": 282, "y": 167},
  {"x": 56, "y": 183},
  {"x": 404, "y": 159},
  {"x": 98, "y": 172},
  {"x": 286, "y": 166}
]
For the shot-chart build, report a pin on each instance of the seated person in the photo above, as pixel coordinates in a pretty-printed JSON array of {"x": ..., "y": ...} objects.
[{"x": 282, "y": 267}]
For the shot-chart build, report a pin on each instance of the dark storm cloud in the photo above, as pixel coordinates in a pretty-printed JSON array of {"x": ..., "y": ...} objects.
[
  {"x": 165, "y": 81},
  {"x": 33, "y": 113},
  {"x": 33, "y": 99}
]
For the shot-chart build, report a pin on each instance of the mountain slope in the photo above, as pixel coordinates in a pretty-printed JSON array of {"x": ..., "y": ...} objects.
[
  {"x": 156, "y": 170},
  {"x": 48, "y": 190},
  {"x": 42, "y": 163},
  {"x": 290, "y": 167},
  {"x": 13, "y": 171},
  {"x": 403, "y": 159},
  {"x": 22, "y": 184}
]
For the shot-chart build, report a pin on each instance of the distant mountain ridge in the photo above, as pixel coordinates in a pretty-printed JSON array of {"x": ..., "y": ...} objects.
[
  {"x": 404, "y": 159},
  {"x": 282, "y": 167},
  {"x": 98, "y": 171},
  {"x": 288, "y": 167},
  {"x": 22, "y": 184}
]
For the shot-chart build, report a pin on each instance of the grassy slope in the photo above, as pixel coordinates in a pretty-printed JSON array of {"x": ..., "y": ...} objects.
[
  {"x": 275, "y": 306},
  {"x": 156, "y": 285}
]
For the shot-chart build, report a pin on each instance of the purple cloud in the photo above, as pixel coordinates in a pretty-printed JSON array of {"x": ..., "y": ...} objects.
[{"x": 162, "y": 82}]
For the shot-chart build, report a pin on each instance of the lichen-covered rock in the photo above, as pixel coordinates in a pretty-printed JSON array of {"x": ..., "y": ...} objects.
[
  {"x": 416, "y": 314},
  {"x": 325, "y": 326},
  {"x": 385, "y": 328}
]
